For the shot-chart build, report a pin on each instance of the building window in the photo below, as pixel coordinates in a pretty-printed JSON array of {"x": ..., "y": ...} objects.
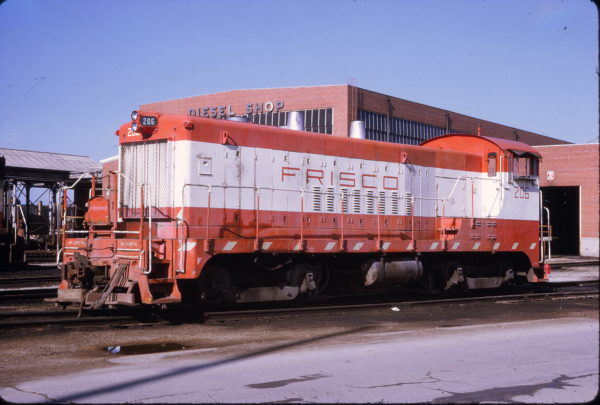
[
  {"x": 400, "y": 131},
  {"x": 318, "y": 120}
]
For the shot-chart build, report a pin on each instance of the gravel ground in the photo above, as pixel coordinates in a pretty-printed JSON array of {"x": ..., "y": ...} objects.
[{"x": 32, "y": 353}]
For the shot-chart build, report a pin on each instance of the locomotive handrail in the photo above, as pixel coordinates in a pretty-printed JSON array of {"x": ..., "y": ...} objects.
[
  {"x": 257, "y": 190},
  {"x": 209, "y": 188},
  {"x": 147, "y": 269},
  {"x": 343, "y": 195},
  {"x": 112, "y": 231},
  {"x": 449, "y": 198},
  {"x": 453, "y": 188},
  {"x": 179, "y": 219},
  {"x": 63, "y": 190},
  {"x": 150, "y": 207},
  {"x": 121, "y": 190},
  {"x": 301, "y": 218},
  {"x": 344, "y": 208},
  {"x": 24, "y": 220},
  {"x": 58, "y": 252},
  {"x": 131, "y": 257},
  {"x": 140, "y": 232},
  {"x": 256, "y": 210},
  {"x": 542, "y": 238}
]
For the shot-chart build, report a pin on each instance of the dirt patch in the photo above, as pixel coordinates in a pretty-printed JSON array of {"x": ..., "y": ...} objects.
[{"x": 57, "y": 350}]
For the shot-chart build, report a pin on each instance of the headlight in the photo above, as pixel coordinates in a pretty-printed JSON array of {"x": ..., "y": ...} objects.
[
  {"x": 134, "y": 126},
  {"x": 134, "y": 116}
]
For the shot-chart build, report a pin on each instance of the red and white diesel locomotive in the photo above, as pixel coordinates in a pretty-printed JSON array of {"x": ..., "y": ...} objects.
[{"x": 204, "y": 209}]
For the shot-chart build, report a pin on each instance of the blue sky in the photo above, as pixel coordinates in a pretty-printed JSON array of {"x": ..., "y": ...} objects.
[{"x": 72, "y": 71}]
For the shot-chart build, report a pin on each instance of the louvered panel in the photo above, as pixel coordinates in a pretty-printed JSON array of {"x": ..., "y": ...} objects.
[{"x": 147, "y": 164}]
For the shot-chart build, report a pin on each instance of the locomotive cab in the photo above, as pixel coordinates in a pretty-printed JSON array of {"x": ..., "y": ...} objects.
[{"x": 506, "y": 200}]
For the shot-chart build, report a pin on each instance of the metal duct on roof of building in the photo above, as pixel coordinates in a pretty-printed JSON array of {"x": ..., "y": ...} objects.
[
  {"x": 295, "y": 120},
  {"x": 237, "y": 118},
  {"x": 357, "y": 130}
]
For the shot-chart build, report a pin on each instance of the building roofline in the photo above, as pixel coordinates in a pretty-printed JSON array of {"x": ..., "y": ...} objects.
[
  {"x": 230, "y": 90},
  {"x": 483, "y": 121},
  {"x": 565, "y": 144},
  {"x": 108, "y": 159},
  {"x": 49, "y": 153}
]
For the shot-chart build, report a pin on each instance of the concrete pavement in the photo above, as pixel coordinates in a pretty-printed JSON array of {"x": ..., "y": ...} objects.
[{"x": 549, "y": 361}]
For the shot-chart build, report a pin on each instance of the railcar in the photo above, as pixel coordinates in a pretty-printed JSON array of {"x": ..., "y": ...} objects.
[{"x": 203, "y": 209}]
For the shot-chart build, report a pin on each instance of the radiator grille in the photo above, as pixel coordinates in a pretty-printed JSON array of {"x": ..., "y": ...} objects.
[
  {"x": 345, "y": 200},
  {"x": 382, "y": 202},
  {"x": 409, "y": 203},
  {"x": 330, "y": 199},
  {"x": 370, "y": 202},
  {"x": 356, "y": 201},
  {"x": 394, "y": 203},
  {"x": 316, "y": 199},
  {"x": 148, "y": 164}
]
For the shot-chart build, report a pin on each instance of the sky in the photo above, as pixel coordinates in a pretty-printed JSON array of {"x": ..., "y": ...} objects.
[{"x": 72, "y": 71}]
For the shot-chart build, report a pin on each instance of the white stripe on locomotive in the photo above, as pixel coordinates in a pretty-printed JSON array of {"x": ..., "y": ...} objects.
[{"x": 239, "y": 173}]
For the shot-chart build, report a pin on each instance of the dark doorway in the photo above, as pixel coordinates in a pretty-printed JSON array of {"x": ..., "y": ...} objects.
[{"x": 563, "y": 203}]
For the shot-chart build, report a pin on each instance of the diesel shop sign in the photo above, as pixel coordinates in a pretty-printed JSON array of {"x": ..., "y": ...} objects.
[{"x": 222, "y": 111}]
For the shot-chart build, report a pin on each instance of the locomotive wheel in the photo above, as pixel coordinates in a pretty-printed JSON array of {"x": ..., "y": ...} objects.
[
  {"x": 507, "y": 273},
  {"x": 453, "y": 277},
  {"x": 297, "y": 277},
  {"x": 216, "y": 283}
]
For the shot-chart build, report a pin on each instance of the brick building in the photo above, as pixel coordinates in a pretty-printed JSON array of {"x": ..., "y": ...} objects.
[
  {"x": 332, "y": 109},
  {"x": 569, "y": 177}
]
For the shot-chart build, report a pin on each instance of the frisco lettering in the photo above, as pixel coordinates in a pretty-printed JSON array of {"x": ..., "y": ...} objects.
[
  {"x": 342, "y": 179},
  {"x": 222, "y": 111}
]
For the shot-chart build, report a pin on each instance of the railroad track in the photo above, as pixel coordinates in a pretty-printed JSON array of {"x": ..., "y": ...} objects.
[
  {"x": 578, "y": 290},
  {"x": 143, "y": 316},
  {"x": 27, "y": 293},
  {"x": 67, "y": 317},
  {"x": 28, "y": 279}
]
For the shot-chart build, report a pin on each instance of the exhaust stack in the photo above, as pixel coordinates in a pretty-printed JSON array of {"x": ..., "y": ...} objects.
[
  {"x": 295, "y": 120},
  {"x": 357, "y": 130}
]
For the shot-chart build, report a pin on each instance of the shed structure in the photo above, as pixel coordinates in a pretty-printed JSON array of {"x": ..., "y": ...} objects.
[{"x": 28, "y": 179}]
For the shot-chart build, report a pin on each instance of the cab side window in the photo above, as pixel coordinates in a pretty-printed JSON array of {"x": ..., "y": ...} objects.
[
  {"x": 525, "y": 166},
  {"x": 491, "y": 160}
]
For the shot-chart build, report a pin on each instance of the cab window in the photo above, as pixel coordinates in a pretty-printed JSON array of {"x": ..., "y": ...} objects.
[
  {"x": 525, "y": 166},
  {"x": 491, "y": 160}
]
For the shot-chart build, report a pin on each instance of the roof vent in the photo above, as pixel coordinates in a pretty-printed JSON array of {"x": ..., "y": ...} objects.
[
  {"x": 295, "y": 120},
  {"x": 357, "y": 130}
]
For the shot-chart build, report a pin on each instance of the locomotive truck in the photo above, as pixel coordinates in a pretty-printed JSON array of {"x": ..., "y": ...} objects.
[{"x": 204, "y": 209}]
